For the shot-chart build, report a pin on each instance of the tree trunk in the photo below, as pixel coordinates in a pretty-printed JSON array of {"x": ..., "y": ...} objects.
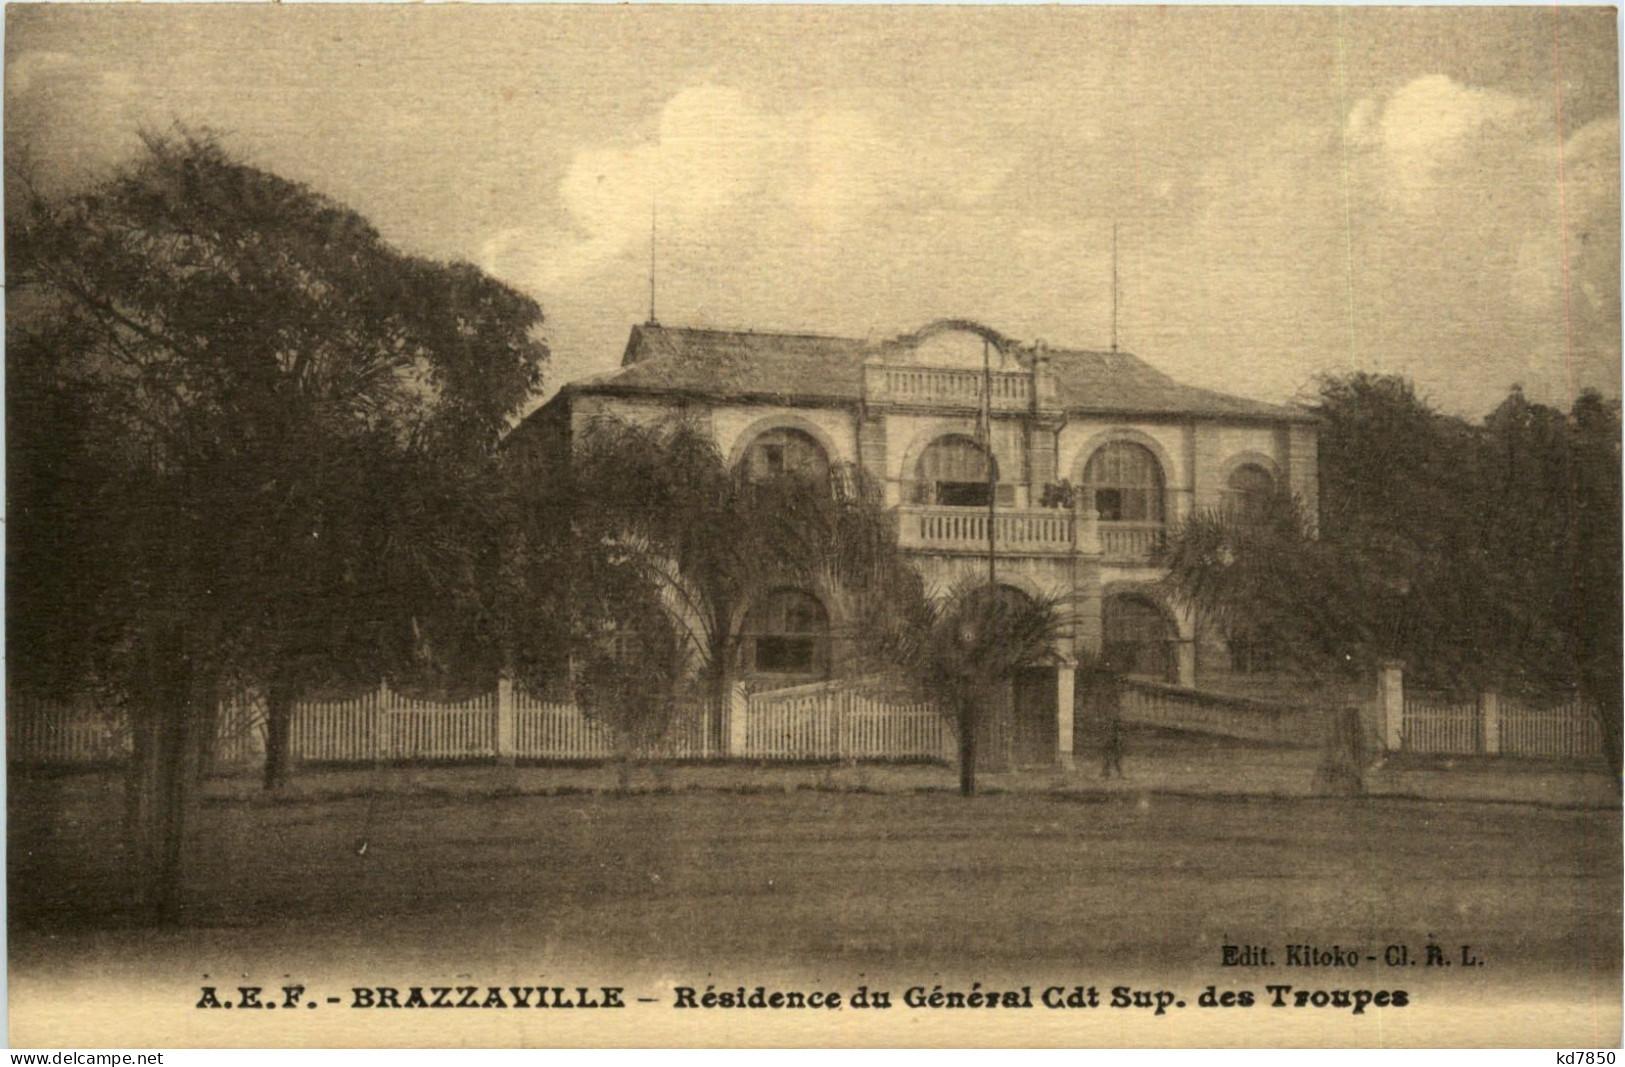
[
  {"x": 178, "y": 790},
  {"x": 722, "y": 683},
  {"x": 161, "y": 782},
  {"x": 969, "y": 725},
  {"x": 140, "y": 796},
  {"x": 279, "y": 701},
  {"x": 625, "y": 758}
]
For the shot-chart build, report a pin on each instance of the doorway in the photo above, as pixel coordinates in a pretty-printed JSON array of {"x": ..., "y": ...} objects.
[{"x": 1033, "y": 738}]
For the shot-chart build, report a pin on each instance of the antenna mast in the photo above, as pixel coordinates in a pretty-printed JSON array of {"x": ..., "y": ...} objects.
[
  {"x": 654, "y": 209},
  {"x": 1114, "y": 286}
]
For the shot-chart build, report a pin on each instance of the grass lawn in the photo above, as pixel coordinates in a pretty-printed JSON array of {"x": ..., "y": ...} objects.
[{"x": 810, "y": 883}]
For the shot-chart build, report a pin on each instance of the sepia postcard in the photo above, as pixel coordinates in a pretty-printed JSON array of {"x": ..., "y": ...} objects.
[{"x": 1026, "y": 526}]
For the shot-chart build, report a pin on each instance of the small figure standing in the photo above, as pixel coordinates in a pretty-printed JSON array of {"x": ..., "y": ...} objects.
[{"x": 1109, "y": 709}]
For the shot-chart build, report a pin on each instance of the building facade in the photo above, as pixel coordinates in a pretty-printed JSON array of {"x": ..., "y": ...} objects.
[{"x": 1089, "y": 458}]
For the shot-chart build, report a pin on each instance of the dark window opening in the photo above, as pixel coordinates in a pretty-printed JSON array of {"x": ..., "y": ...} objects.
[
  {"x": 957, "y": 472},
  {"x": 788, "y": 633},
  {"x": 786, "y": 654},
  {"x": 1248, "y": 492},
  {"x": 1139, "y": 639},
  {"x": 963, "y": 494},
  {"x": 785, "y": 451},
  {"x": 1126, "y": 482}
]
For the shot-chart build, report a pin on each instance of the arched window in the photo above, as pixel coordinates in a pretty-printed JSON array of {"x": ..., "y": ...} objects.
[
  {"x": 1248, "y": 490},
  {"x": 788, "y": 633},
  {"x": 1014, "y": 598},
  {"x": 1126, "y": 482},
  {"x": 1009, "y": 598},
  {"x": 785, "y": 450},
  {"x": 954, "y": 470},
  {"x": 1139, "y": 638}
]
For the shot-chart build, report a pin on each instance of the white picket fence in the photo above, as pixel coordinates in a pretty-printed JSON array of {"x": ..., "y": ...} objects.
[
  {"x": 46, "y": 732},
  {"x": 544, "y": 730},
  {"x": 1562, "y": 730},
  {"x": 340, "y": 731},
  {"x": 1490, "y": 725},
  {"x": 38, "y": 732},
  {"x": 830, "y": 720},
  {"x": 1437, "y": 726},
  {"x": 825, "y": 721}
]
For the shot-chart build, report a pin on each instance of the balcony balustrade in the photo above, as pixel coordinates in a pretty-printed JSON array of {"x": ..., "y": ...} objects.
[
  {"x": 1024, "y": 531},
  {"x": 1027, "y": 530},
  {"x": 1130, "y": 542},
  {"x": 950, "y": 387}
]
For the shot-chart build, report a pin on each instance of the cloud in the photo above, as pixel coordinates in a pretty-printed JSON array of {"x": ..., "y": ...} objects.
[
  {"x": 1425, "y": 127},
  {"x": 709, "y": 155},
  {"x": 718, "y": 165},
  {"x": 1482, "y": 241},
  {"x": 1431, "y": 233}
]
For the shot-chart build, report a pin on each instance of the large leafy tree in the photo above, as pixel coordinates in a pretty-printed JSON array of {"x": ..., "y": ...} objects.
[
  {"x": 248, "y": 442},
  {"x": 1554, "y": 559},
  {"x": 1480, "y": 555}
]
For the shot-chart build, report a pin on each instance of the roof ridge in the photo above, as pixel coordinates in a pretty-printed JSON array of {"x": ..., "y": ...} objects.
[
  {"x": 723, "y": 362},
  {"x": 809, "y": 335},
  {"x": 1053, "y": 350}
]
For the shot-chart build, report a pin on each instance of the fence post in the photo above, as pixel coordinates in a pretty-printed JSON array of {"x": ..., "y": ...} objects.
[
  {"x": 1489, "y": 710},
  {"x": 506, "y": 748},
  {"x": 738, "y": 718},
  {"x": 1064, "y": 681},
  {"x": 843, "y": 716},
  {"x": 1391, "y": 704},
  {"x": 380, "y": 723}
]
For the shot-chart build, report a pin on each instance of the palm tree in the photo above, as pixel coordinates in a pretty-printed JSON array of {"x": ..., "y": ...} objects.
[
  {"x": 1317, "y": 607},
  {"x": 961, "y": 649},
  {"x": 1267, "y": 580}
]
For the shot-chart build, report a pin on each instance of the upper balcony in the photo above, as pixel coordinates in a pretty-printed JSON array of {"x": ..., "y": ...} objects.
[
  {"x": 1025, "y": 532},
  {"x": 946, "y": 387}
]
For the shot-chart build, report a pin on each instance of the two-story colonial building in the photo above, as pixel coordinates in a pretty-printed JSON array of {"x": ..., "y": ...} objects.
[{"x": 1137, "y": 449}]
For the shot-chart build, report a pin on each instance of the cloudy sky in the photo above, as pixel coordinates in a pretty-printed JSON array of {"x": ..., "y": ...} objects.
[{"x": 1434, "y": 192}]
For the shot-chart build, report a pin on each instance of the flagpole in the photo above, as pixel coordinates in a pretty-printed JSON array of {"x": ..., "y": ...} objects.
[
  {"x": 992, "y": 467},
  {"x": 1114, "y": 285}
]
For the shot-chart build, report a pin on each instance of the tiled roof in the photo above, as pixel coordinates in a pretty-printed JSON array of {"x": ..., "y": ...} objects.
[
  {"x": 1108, "y": 382},
  {"x": 809, "y": 367},
  {"x": 729, "y": 363}
]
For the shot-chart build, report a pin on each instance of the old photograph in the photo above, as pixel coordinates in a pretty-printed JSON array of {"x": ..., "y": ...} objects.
[{"x": 1025, "y": 526}]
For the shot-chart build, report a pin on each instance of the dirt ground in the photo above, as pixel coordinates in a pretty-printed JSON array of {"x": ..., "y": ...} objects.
[{"x": 843, "y": 871}]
